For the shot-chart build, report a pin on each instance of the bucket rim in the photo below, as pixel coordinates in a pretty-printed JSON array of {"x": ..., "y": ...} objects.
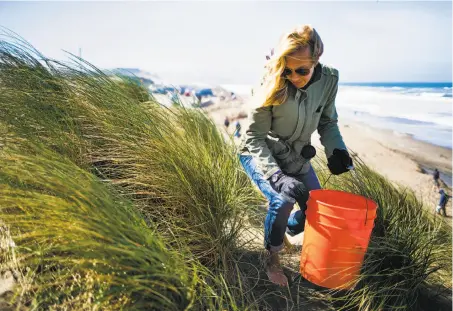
[{"x": 341, "y": 207}]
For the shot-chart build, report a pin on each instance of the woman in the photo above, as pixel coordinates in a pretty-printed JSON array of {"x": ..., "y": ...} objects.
[{"x": 296, "y": 98}]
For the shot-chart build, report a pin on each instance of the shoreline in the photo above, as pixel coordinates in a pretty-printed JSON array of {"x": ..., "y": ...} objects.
[{"x": 427, "y": 155}]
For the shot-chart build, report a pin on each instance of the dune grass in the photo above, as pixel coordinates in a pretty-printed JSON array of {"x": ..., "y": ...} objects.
[
  {"x": 108, "y": 181},
  {"x": 145, "y": 151},
  {"x": 79, "y": 245},
  {"x": 409, "y": 256}
]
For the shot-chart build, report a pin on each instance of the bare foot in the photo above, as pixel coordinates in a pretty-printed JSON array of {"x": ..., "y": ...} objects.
[{"x": 274, "y": 270}]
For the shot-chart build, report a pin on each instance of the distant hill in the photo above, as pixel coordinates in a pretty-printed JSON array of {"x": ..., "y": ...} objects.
[
  {"x": 145, "y": 77},
  {"x": 153, "y": 81}
]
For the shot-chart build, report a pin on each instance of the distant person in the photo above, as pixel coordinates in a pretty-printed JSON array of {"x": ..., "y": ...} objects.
[
  {"x": 237, "y": 133},
  {"x": 436, "y": 176},
  {"x": 443, "y": 200},
  {"x": 226, "y": 122},
  {"x": 233, "y": 96},
  {"x": 173, "y": 97},
  {"x": 296, "y": 98}
]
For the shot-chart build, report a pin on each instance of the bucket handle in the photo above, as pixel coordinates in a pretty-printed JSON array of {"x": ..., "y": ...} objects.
[{"x": 351, "y": 168}]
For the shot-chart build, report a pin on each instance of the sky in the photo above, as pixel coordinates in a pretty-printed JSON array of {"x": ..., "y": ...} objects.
[{"x": 226, "y": 42}]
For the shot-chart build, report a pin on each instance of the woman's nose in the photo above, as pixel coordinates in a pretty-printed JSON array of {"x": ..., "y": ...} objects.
[{"x": 295, "y": 77}]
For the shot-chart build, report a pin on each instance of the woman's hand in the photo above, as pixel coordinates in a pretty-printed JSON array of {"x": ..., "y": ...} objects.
[
  {"x": 288, "y": 186},
  {"x": 340, "y": 162}
]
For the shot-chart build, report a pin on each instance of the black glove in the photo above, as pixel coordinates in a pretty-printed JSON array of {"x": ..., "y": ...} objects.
[
  {"x": 339, "y": 162},
  {"x": 289, "y": 187}
]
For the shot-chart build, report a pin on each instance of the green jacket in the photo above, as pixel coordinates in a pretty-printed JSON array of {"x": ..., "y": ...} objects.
[{"x": 277, "y": 134}]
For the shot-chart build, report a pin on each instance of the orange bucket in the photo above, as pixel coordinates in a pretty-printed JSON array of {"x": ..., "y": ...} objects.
[{"x": 337, "y": 232}]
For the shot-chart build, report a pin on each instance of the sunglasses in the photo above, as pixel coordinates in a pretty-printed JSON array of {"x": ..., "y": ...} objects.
[{"x": 299, "y": 71}]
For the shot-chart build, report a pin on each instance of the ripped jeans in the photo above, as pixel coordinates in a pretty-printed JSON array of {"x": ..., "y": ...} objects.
[{"x": 279, "y": 218}]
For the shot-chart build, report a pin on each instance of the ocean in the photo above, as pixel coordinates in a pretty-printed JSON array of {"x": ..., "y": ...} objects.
[{"x": 421, "y": 110}]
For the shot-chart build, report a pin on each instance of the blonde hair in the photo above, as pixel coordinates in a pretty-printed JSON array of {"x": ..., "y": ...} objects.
[{"x": 275, "y": 87}]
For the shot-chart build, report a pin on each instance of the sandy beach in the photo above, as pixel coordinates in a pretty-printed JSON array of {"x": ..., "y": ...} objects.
[{"x": 403, "y": 160}]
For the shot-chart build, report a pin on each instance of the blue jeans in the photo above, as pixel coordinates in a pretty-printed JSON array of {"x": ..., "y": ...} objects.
[{"x": 279, "y": 217}]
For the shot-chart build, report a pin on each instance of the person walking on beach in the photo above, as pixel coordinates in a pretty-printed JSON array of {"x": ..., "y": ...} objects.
[
  {"x": 443, "y": 200},
  {"x": 226, "y": 122},
  {"x": 296, "y": 97},
  {"x": 436, "y": 177},
  {"x": 237, "y": 133}
]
